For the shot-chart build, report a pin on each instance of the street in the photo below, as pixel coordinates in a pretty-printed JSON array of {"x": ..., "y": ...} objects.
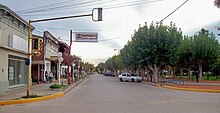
[{"x": 100, "y": 94}]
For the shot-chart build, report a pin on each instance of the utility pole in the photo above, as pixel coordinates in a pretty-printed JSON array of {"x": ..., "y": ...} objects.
[
  {"x": 99, "y": 18},
  {"x": 69, "y": 51}
]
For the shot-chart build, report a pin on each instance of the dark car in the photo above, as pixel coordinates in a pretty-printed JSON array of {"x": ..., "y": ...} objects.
[{"x": 109, "y": 74}]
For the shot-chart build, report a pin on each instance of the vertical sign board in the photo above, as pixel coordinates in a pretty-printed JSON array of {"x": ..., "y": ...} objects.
[{"x": 86, "y": 37}]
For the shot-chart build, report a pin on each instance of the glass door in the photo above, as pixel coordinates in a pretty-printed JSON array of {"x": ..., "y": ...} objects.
[{"x": 11, "y": 72}]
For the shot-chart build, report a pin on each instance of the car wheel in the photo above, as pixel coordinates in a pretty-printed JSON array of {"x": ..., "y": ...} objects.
[
  {"x": 121, "y": 79},
  {"x": 132, "y": 80}
]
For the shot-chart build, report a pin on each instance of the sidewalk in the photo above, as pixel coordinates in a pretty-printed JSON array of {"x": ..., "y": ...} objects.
[
  {"x": 13, "y": 96},
  {"x": 189, "y": 85}
]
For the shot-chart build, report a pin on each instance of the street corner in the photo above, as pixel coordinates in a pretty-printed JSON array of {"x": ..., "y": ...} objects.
[
  {"x": 151, "y": 83},
  {"x": 191, "y": 89},
  {"x": 43, "y": 98}
]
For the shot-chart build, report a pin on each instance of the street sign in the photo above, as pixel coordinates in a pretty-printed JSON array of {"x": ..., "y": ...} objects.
[{"x": 86, "y": 37}]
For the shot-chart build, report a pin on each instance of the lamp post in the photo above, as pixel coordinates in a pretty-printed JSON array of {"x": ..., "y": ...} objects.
[{"x": 60, "y": 59}]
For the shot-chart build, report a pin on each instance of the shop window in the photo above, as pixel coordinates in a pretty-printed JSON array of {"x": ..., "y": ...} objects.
[{"x": 16, "y": 70}]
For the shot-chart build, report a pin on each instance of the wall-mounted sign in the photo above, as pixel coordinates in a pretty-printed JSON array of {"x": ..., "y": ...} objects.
[{"x": 86, "y": 37}]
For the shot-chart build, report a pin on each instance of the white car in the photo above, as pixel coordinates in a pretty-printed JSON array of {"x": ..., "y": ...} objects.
[{"x": 129, "y": 77}]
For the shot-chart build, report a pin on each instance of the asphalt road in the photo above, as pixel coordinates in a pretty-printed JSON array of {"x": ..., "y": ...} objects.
[{"x": 100, "y": 94}]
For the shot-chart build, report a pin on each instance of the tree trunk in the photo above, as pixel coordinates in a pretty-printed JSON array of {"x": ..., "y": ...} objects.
[
  {"x": 200, "y": 71},
  {"x": 155, "y": 71},
  {"x": 156, "y": 74},
  {"x": 142, "y": 74},
  {"x": 169, "y": 72},
  {"x": 174, "y": 74},
  {"x": 190, "y": 72},
  {"x": 147, "y": 74},
  {"x": 181, "y": 73}
]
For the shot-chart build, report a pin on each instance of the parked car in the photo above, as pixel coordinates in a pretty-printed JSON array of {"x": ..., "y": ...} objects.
[
  {"x": 109, "y": 74},
  {"x": 129, "y": 77}
]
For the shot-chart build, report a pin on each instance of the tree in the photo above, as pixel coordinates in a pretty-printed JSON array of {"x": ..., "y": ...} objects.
[
  {"x": 215, "y": 67},
  {"x": 185, "y": 54},
  {"x": 205, "y": 49},
  {"x": 100, "y": 67},
  {"x": 88, "y": 67},
  {"x": 174, "y": 45},
  {"x": 157, "y": 45},
  {"x": 217, "y": 3}
]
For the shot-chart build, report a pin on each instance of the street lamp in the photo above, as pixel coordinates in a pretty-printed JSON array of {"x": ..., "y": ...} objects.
[{"x": 60, "y": 59}]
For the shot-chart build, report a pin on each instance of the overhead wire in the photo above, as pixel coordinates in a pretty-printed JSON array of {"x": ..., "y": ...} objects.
[
  {"x": 119, "y": 5},
  {"x": 107, "y": 7},
  {"x": 109, "y": 39},
  {"x": 174, "y": 11},
  {"x": 65, "y": 29},
  {"x": 64, "y": 7},
  {"x": 48, "y": 5}
]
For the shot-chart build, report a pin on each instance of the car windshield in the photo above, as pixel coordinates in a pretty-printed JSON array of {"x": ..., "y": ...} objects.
[{"x": 133, "y": 75}]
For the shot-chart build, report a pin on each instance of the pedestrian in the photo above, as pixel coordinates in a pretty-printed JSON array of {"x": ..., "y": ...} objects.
[
  {"x": 51, "y": 77},
  {"x": 46, "y": 76},
  {"x": 197, "y": 78},
  {"x": 151, "y": 77},
  {"x": 65, "y": 74}
]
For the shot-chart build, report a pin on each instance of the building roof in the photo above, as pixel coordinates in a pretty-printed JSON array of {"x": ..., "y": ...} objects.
[
  {"x": 51, "y": 37},
  {"x": 3, "y": 7},
  {"x": 63, "y": 44}
]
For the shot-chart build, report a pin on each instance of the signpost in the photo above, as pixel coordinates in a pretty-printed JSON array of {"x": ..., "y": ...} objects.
[
  {"x": 99, "y": 18},
  {"x": 86, "y": 37}
]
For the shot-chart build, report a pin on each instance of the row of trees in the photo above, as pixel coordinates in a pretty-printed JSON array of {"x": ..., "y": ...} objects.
[{"x": 156, "y": 46}]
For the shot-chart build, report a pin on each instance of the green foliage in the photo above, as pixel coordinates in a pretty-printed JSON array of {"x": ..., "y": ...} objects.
[
  {"x": 185, "y": 52},
  {"x": 100, "y": 67},
  {"x": 156, "y": 46},
  {"x": 31, "y": 96},
  {"x": 88, "y": 67},
  {"x": 211, "y": 77},
  {"x": 57, "y": 86},
  {"x": 205, "y": 47},
  {"x": 215, "y": 67}
]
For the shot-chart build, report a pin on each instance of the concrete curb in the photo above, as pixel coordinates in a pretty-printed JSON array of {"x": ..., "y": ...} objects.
[
  {"x": 190, "y": 89},
  {"x": 184, "y": 89},
  {"x": 152, "y": 84},
  {"x": 9, "y": 102},
  {"x": 43, "y": 98},
  {"x": 74, "y": 85}
]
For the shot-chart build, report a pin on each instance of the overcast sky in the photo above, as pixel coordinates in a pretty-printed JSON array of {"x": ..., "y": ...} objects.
[{"x": 120, "y": 19}]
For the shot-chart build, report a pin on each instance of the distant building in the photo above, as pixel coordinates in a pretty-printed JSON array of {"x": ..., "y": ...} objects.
[
  {"x": 47, "y": 61},
  {"x": 13, "y": 49},
  {"x": 64, "y": 49}
]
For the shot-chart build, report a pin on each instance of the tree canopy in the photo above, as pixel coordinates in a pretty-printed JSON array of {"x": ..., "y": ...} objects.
[{"x": 157, "y": 46}]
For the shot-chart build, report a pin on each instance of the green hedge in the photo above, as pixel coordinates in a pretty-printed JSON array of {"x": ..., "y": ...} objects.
[
  {"x": 57, "y": 86},
  {"x": 31, "y": 96}
]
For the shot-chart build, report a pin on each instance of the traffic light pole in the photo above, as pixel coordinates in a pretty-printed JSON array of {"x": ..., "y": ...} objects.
[
  {"x": 69, "y": 51},
  {"x": 28, "y": 56},
  {"x": 49, "y": 19}
]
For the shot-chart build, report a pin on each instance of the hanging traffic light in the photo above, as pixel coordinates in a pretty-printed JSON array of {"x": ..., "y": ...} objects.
[{"x": 99, "y": 14}]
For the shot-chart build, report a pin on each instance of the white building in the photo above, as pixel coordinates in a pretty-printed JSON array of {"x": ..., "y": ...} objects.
[{"x": 13, "y": 49}]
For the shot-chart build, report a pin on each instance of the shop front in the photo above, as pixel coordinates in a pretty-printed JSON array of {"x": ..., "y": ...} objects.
[{"x": 16, "y": 70}]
